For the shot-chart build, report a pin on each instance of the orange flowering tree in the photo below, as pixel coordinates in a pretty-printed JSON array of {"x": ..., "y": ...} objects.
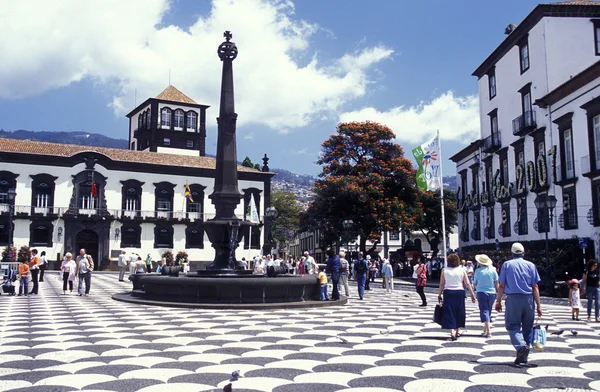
[
  {"x": 429, "y": 219},
  {"x": 365, "y": 178}
]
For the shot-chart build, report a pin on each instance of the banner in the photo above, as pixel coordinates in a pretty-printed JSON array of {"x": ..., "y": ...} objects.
[
  {"x": 428, "y": 161},
  {"x": 253, "y": 211}
]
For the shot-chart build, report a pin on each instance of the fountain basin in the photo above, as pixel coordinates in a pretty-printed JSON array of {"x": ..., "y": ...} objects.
[{"x": 222, "y": 291}]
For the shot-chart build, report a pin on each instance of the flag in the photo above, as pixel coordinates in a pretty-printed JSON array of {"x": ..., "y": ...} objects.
[
  {"x": 428, "y": 162},
  {"x": 253, "y": 211},
  {"x": 188, "y": 193},
  {"x": 94, "y": 190}
]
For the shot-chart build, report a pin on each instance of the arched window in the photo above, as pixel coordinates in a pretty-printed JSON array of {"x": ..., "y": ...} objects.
[
  {"x": 179, "y": 119},
  {"x": 141, "y": 120},
  {"x": 192, "y": 122},
  {"x": 40, "y": 234},
  {"x": 163, "y": 236},
  {"x": 165, "y": 118},
  {"x": 147, "y": 119},
  {"x": 130, "y": 235}
]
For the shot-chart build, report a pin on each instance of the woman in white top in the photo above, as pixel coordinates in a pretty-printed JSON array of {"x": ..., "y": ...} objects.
[
  {"x": 453, "y": 280},
  {"x": 68, "y": 272}
]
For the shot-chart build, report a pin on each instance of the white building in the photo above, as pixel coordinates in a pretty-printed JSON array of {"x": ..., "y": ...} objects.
[
  {"x": 138, "y": 204},
  {"x": 540, "y": 132}
]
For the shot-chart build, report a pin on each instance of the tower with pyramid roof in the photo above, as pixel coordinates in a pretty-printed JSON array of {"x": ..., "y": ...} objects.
[{"x": 170, "y": 123}]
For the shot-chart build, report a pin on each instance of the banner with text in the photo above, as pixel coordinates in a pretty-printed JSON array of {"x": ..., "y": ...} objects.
[{"x": 428, "y": 161}]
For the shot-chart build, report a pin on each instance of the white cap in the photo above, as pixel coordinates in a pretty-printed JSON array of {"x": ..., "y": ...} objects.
[{"x": 517, "y": 248}]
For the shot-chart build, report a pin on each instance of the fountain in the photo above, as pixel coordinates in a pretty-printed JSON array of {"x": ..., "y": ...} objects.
[{"x": 225, "y": 283}]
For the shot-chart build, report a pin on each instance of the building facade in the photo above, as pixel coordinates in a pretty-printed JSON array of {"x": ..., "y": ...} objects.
[
  {"x": 107, "y": 200},
  {"x": 537, "y": 94}
]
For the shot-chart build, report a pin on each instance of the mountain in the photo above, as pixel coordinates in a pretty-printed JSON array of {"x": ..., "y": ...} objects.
[{"x": 76, "y": 137}]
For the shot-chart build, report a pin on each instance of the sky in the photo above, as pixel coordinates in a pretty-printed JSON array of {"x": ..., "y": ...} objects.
[{"x": 303, "y": 66}]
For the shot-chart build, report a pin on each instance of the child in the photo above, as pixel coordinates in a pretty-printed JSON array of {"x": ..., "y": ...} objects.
[
  {"x": 323, "y": 282},
  {"x": 574, "y": 299},
  {"x": 7, "y": 286}
]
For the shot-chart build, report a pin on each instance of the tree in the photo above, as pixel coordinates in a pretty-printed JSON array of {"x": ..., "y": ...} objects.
[
  {"x": 287, "y": 222},
  {"x": 247, "y": 162},
  {"x": 429, "y": 219},
  {"x": 365, "y": 178}
]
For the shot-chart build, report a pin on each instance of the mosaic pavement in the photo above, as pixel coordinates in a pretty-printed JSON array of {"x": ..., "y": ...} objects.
[{"x": 53, "y": 342}]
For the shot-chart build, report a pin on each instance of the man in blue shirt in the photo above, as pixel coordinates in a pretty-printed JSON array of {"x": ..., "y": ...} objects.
[
  {"x": 333, "y": 268},
  {"x": 519, "y": 280},
  {"x": 361, "y": 267}
]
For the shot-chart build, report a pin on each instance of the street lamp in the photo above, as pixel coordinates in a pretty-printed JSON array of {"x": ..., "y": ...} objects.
[
  {"x": 270, "y": 215},
  {"x": 546, "y": 203},
  {"x": 11, "y": 228}
]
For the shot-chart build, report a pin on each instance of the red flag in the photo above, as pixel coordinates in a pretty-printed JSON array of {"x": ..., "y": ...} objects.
[{"x": 94, "y": 191}]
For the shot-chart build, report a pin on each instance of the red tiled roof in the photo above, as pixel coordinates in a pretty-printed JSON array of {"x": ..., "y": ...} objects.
[
  {"x": 172, "y": 94},
  {"x": 115, "y": 154}
]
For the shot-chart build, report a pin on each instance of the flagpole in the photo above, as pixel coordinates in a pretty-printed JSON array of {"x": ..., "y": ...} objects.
[{"x": 442, "y": 198}]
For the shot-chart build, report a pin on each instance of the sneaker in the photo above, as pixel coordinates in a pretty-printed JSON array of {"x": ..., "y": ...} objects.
[
  {"x": 522, "y": 354},
  {"x": 423, "y": 305}
]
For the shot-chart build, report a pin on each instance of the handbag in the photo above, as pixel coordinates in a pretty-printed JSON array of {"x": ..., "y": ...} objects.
[
  {"x": 538, "y": 338},
  {"x": 438, "y": 314}
]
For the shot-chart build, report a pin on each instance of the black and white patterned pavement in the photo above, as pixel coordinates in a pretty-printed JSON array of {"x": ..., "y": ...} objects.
[{"x": 53, "y": 342}]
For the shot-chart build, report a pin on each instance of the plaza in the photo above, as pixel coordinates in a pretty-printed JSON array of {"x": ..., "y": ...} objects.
[{"x": 55, "y": 342}]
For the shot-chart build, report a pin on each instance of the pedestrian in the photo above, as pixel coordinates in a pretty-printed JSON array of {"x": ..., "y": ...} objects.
[
  {"x": 372, "y": 271},
  {"x": 24, "y": 278},
  {"x": 323, "y": 282},
  {"x": 387, "y": 274},
  {"x": 122, "y": 264},
  {"x": 84, "y": 265},
  {"x": 344, "y": 273},
  {"x": 470, "y": 271},
  {"x": 519, "y": 280},
  {"x": 574, "y": 299},
  {"x": 43, "y": 265},
  {"x": 485, "y": 282},
  {"x": 309, "y": 264},
  {"x": 68, "y": 268},
  {"x": 591, "y": 287},
  {"x": 367, "y": 284},
  {"x": 452, "y": 283},
  {"x": 301, "y": 266},
  {"x": 140, "y": 266},
  {"x": 148, "y": 263},
  {"x": 34, "y": 267},
  {"x": 421, "y": 282},
  {"x": 361, "y": 268},
  {"x": 333, "y": 268}
]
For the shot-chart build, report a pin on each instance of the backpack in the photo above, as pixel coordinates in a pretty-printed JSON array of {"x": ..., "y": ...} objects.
[{"x": 361, "y": 266}]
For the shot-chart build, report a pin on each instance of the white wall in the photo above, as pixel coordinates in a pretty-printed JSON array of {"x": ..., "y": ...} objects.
[{"x": 177, "y": 151}]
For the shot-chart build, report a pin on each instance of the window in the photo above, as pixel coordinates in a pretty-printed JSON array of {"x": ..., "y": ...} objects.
[
  {"x": 494, "y": 123},
  {"x": 596, "y": 202},
  {"x": 4, "y": 231},
  {"x": 490, "y": 177},
  {"x": 596, "y": 136},
  {"x": 147, "y": 119},
  {"x": 165, "y": 118},
  {"x": 40, "y": 234},
  {"x": 568, "y": 150},
  {"x": 464, "y": 232},
  {"x": 521, "y": 158},
  {"x": 86, "y": 200},
  {"x": 189, "y": 144},
  {"x": 596, "y": 24},
  {"x": 490, "y": 230},
  {"x": 192, "y": 121},
  {"x": 394, "y": 235},
  {"x": 504, "y": 170},
  {"x": 163, "y": 199},
  {"x": 194, "y": 238},
  {"x": 522, "y": 216},
  {"x": 476, "y": 234},
  {"x": 524, "y": 56},
  {"x": 505, "y": 216},
  {"x": 492, "y": 83},
  {"x": 140, "y": 120},
  {"x": 179, "y": 119},
  {"x": 130, "y": 236},
  {"x": 166, "y": 141},
  {"x": 570, "y": 209},
  {"x": 163, "y": 236}
]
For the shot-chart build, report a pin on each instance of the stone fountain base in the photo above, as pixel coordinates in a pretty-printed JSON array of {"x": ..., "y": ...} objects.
[{"x": 223, "y": 292}]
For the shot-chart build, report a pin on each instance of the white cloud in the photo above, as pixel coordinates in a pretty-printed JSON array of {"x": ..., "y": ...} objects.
[
  {"x": 249, "y": 136},
  {"x": 124, "y": 45},
  {"x": 457, "y": 118}
]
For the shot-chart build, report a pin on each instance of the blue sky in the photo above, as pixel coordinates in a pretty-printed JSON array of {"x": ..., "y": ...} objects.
[{"x": 301, "y": 68}]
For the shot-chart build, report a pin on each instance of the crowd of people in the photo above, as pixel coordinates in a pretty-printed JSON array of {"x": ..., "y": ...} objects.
[{"x": 32, "y": 270}]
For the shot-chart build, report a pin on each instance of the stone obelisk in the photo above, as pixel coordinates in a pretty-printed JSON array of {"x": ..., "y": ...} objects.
[{"x": 224, "y": 230}]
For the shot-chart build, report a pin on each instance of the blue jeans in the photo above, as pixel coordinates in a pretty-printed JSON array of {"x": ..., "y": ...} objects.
[
  {"x": 593, "y": 293},
  {"x": 361, "y": 280},
  {"x": 87, "y": 278},
  {"x": 323, "y": 292},
  {"x": 518, "y": 319},
  {"x": 24, "y": 285},
  {"x": 486, "y": 304}
]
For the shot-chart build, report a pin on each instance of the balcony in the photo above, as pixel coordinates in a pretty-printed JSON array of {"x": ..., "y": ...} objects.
[
  {"x": 565, "y": 173},
  {"x": 492, "y": 143},
  {"x": 524, "y": 124}
]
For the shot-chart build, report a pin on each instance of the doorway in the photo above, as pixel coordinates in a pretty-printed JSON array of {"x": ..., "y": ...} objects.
[{"x": 88, "y": 240}]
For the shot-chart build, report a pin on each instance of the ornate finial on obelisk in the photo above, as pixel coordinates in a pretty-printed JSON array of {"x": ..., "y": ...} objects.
[{"x": 227, "y": 50}]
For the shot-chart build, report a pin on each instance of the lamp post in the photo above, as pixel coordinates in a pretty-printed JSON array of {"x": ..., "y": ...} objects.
[
  {"x": 11, "y": 228},
  {"x": 347, "y": 224},
  {"x": 270, "y": 216},
  {"x": 546, "y": 203}
]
